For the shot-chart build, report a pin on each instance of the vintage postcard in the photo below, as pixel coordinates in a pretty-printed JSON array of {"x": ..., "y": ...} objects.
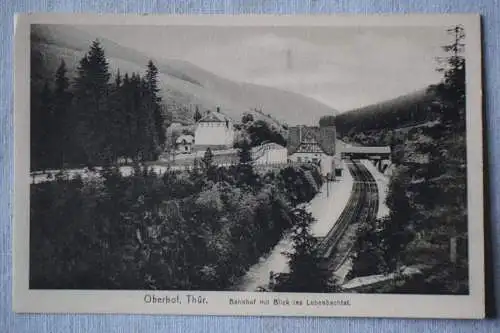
[{"x": 249, "y": 165}]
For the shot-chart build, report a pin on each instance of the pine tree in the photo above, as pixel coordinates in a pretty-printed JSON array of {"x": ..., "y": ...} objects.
[
  {"x": 368, "y": 255},
  {"x": 152, "y": 84},
  {"x": 449, "y": 153},
  {"x": 246, "y": 174},
  {"x": 118, "y": 79},
  {"x": 61, "y": 138},
  {"x": 245, "y": 153},
  {"x": 41, "y": 137},
  {"x": 136, "y": 119},
  {"x": 36, "y": 111},
  {"x": 117, "y": 132},
  {"x": 207, "y": 159},
  {"x": 148, "y": 128},
  {"x": 397, "y": 233},
  {"x": 127, "y": 99},
  {"x": 451, "y": 91},
  {"x": 306, "y": 271},
  {"x": 197, "y": 114},
  {"x": 90, "y": 104}
]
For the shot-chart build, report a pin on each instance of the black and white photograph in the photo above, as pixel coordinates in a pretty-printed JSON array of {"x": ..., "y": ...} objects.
[{"x": 257, "y": 160}]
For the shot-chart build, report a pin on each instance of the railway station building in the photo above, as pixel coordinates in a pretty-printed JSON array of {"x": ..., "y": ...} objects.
[
  {"x": 380, "y": 155},
  {"x": 313, "y": 145}
]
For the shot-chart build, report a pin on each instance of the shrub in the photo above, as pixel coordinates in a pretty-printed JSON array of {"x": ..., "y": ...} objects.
[{"x": 143, "y": 231}]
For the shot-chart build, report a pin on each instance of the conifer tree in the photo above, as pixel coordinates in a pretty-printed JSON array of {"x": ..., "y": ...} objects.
[
  {"x": 396, "y": 234},
  {"x": 90, "y": 104},
  {"x": 245, "y": 168},
  {"x": 207, "y": 160},
  {"x": 152, "y": 84},
  {"x": 61, "y": 138},
  {"x": 148, "y": 125},
  {"x": 451, "y": 91},
  {"x": 128, "y": 105},
  {"x": 117, "y": 130},
  {"x": 244, "y": 153},
  {"x": 136, "y": 133},
  {"x": 36, "y": 84},
  {"x": 41, "y": 140},
  {"x": 306, "y": 271},
  {"x": 197, "y": 114}
]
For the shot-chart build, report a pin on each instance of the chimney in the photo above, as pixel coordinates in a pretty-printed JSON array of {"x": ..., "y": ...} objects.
[{"x": 218, "y": 109}]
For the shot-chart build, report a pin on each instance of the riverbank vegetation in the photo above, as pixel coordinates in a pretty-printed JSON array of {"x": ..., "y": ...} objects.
[{"x": 193, "y": 231}]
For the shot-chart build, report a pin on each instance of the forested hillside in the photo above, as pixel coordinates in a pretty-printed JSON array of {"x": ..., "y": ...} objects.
[
  {"x": 93, "y": 120},
  {"x": 404, "y": 111},
  {"x": 427, "y": 224}
]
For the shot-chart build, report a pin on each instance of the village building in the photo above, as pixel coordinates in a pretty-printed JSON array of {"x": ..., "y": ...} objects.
[
  {"x": 313, "y": 145},
  {"x": 269, "y": 153},
  {"x": 184, "y": 144},
  {"x": 214, "y": 130}
]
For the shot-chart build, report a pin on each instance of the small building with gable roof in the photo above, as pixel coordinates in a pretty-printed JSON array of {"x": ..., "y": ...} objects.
[
  {"x": 313, "y": 145},
  {"x": 214, "y": 130},
  {"x": 269, "y": 153},
  {"x": 184, "y": 144}
]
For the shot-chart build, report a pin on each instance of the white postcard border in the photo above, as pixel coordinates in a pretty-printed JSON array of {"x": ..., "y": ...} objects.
[{"x": 217, "y": 302}]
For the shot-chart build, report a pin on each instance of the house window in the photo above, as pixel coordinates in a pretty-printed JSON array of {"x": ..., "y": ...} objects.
[
  {"x": 186, "y": 148},
  {"x": 299, "y": 159},
  {"x": 315, "y": 160}
]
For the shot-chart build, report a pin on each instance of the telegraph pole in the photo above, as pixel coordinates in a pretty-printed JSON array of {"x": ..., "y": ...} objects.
[{"x": 327, "y": 185}]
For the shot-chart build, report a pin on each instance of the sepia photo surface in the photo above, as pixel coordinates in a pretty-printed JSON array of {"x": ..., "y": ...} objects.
[{"x": 321, "y": 166}]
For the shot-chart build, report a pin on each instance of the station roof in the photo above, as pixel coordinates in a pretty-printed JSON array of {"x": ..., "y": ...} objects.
[{"x": 324, "y": 136}]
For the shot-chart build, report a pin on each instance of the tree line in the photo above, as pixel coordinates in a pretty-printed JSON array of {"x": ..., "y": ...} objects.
[
  {"x": 401, "y": 112},
  {"x": 444, "y": 101},
  {"x": 427, "y": 199},
  {"x": 93, "y": 120},
  {"x": 199, "y": 230}
]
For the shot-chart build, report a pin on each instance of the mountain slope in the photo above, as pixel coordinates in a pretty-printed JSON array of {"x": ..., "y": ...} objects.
[
  {"x": 182, "y": 84},
  {"x": 410, "y": 109},
  {"x": 400, "y": 102}
]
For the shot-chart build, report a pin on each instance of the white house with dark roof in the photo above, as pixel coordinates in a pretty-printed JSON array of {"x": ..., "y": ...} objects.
[
  {"x": 313, "y": 145},
  {"x": 214, "y": 130},
  {"x": 184, "y": 144}
]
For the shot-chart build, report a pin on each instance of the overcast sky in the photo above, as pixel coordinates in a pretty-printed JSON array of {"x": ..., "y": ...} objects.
[{"x": 344, "y": 68}]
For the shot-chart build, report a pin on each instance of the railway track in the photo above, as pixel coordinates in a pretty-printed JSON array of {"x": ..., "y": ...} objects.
[{"x": 361, "y": 207}]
